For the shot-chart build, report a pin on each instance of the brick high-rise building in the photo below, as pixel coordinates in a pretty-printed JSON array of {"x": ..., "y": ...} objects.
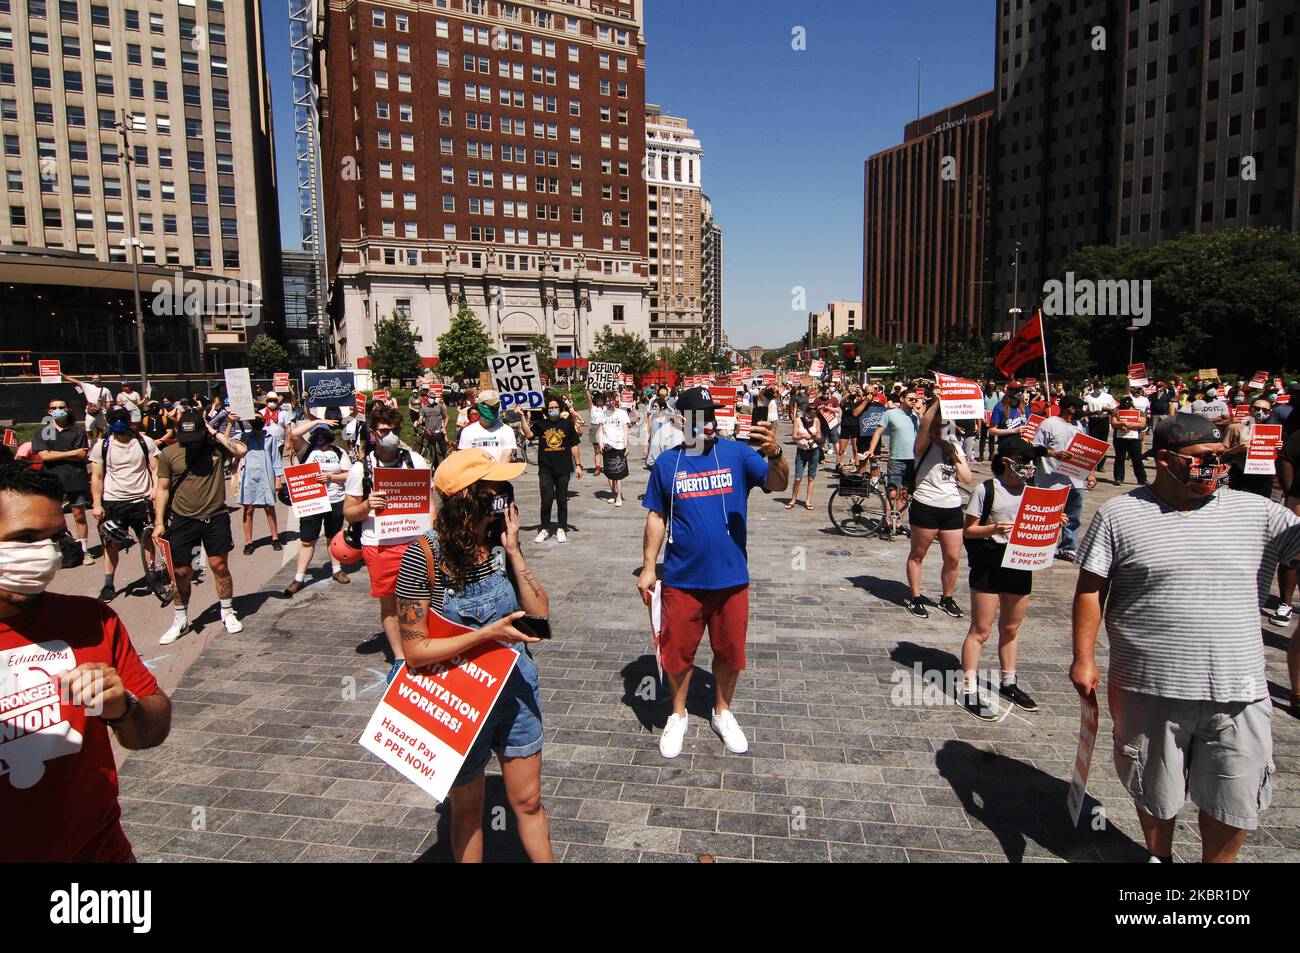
[
  {"x": 1135, "y": 122},
  {"x": 925, "y": 228},
  {"x": 491, "y": 153},
  {"x": 673, "y": 175},
  {"x": 190, "y": 81}
]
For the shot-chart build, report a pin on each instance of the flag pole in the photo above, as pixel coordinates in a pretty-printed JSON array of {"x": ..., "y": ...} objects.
[{"x": 1042, "y": 336}]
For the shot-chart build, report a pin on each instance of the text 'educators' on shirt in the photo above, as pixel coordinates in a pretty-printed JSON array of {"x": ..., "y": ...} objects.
[{"x": 704, "y": 500}]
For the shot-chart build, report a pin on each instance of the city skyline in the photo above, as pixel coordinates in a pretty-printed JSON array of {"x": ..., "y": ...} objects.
[{"x": 813, "y": 241}]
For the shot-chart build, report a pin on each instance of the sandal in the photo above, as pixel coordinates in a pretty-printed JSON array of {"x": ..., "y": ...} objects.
[{"x": 790, "y": 505}]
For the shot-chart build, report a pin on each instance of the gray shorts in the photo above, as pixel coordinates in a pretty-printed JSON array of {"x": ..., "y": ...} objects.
[{"x": 1220, "y": 754}]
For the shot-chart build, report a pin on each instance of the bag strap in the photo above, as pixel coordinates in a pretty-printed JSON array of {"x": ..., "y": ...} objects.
[{"x": 987, "y": 509}]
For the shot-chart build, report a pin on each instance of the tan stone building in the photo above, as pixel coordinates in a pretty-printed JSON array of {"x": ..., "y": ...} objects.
[
  {"x": 189, "y": 80},
  {"x": 675, "y": 222}
]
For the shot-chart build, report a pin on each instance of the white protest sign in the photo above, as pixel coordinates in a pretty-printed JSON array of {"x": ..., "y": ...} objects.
[
  {"x": 1089, "y": 715},
  {"x": 239, "y": 388},
  {"x": 603, "y": 377},
  {"x": 516, "y": 380}
]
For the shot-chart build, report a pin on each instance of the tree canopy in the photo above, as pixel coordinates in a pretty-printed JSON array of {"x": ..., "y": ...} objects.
[
  {"x": 394, "y": 355},
  {"x": 463, "y": 350}
]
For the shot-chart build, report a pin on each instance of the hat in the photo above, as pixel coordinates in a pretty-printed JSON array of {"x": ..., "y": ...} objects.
[
  {"x": 1070, "y": 402},
  {"x": 695, "y": 398},
  {"x": 1212, "y": 392},
  {"x": 1014, "y": 445},
  {"x": 1182, "y": 430},
  {"x": 488, "y": 397},
  {"x": 466, "y": 467},
  {"x": 119, "y": 413},
  {"x": 191, "y": 428},
  {"x": 272, "y": 395}
]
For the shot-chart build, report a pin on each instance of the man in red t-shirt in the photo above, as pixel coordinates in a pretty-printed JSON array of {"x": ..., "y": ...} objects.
[{"x": 68, "y": 673}]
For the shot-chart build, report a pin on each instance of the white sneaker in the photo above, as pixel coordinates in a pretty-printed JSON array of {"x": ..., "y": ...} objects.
[
  {"x": 730, "y": 733},
  {"x": 560, "y": 537},
  {"x": 179, "y": 627},
  {"x": 670, "y": 741},
  {"x": 232, "y": 621},
  {"x": 619, "y": 501},
  {"x": 541, "y": 537},
  {"x": 610, "y": 501}
]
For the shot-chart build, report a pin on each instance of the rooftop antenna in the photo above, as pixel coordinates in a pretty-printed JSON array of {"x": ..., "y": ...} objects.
[{"x": 918, "y": 87}]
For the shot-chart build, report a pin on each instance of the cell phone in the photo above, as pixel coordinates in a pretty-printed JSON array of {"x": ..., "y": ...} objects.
[{"x": 534, "y": 625}]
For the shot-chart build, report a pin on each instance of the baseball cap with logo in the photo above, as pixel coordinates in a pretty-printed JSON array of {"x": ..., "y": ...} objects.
[
  {"x": 191, "y": 428},
  {"x": 466, "y": 467},
  {"x": 1182, "y": 430}
]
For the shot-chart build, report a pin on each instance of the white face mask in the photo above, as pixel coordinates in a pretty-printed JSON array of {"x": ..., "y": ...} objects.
[{"x": 27, "y": 568}]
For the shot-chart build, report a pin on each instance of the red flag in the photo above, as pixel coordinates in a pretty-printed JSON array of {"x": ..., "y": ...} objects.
[{"x": 1026, "y": 346}]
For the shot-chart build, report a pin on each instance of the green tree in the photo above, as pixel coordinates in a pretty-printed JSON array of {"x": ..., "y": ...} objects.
[
  {"x": 463, "y": 351},
  {"x": 394, "y": 356},
  {"x": 692, "y": 357},
  {"x": 267, "y": 356},
  {"x": 964, "y": 355},
  {"x": 626, "y": 350},
  {"x": 541, "y": 346}
]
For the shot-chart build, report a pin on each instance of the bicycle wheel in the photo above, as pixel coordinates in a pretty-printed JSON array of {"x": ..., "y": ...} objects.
[
  {"x": 156, "y": 576},
  {"x": 856, "y": 511}
]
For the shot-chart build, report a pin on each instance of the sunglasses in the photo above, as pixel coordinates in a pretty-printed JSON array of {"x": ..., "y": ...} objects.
[{"x": 1202, "y": 460}]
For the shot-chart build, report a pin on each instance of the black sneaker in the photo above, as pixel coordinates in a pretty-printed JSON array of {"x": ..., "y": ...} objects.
[
  {"x": 917, "y": 608},
  {"x": 248, "y": 550},
  {"x": 107, "y": 593},
  {"x": 1017, "y": 696},
  {"x": 948, "y": 605},
  {"x": 277, "y": 545},
  {"x": 1065, "y": 554},
  {"x": 976, "y": 704}
]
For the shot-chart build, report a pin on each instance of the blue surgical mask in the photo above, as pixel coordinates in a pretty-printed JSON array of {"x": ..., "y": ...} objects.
[
  {"x": 59, "y": 414},
  {"x": 119, "y": 426},
  {"x": 553, "y": 414}
]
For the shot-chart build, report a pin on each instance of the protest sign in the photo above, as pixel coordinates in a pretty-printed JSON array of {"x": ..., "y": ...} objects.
[
  {"x": 625, "y": 399},
  {"x": 1261, "y": 455},
  {"x": 328, "y": 388},
  {"x": 406, "y": 493},
  {"x": 280, "y": 381},
  {"x": 602, "y": 378},
  {"x": 1259, "y": 381},
  {"x": 309, "y": 498},
  {"x": 1089, "y": 715},
  {"x": 769, "y": 380},
  {"x": 361, "y": 404},
  {"x": 816, "y": 367},
  {"x": 435, "y": 390},
  {"x": 239, "y": 388},
  {"x": 1029, "y": 429},
  {"x": 50, "y": 371},
  {"x": 429, "y": 718},
  {"x": 1208, "y": 374},
  {"x": 1240, "y": 412},
  {"x": 11, "y": 438},
  {"x": 517, "y": 380},
  {"x": 166, "y": 549},
  {"x": 1129, "y": 418},
  {"x": 724, "y": 401},
  {"x": 1137, "y": 375},
  {"x": 379, "y": 395},
  {"x": 656, "y": 625},
  {"x": 1031, "y": 544},
  {"x": 959, "y": 399},
  {"x": 1082, "y": 456},
  {"x": 744, "y": 423}
]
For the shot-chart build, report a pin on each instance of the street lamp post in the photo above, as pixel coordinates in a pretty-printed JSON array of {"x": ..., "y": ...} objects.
[
  {"x": 1015, "y": 291},
  {"x": 133, "y": 245}
]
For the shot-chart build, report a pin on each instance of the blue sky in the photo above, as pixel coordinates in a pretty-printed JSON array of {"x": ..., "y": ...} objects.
[{"x": 784, "y": 132}]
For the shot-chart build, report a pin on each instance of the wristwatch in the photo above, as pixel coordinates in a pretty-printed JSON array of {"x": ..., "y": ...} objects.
[
  {"x": 780, "y": 452},
  {"x": 132, "y": 702}
]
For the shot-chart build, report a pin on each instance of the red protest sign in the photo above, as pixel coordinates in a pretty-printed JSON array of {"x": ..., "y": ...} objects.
[
  {"x": 407, "y": 511},
  {"x": 1240, "y": 411},
  {"x": 1082, "y": 456},
  {"x": 724, "y": 401},
  {"x": 379, "y": 395},
  {"x": 1028, "y": 430},
  {"x": 1128, "y": 418},
  {"x": 435, "y": 390},
  {"x": 1089, "y": 716},
  {"x": 11, "y": 438},
  {"x": 625, "y": 399},
  {"x": 280, "y": 381},
  {"x": 429, "y": 718},
  {"x": 166, "y": 548},
  {"x": 308, "y": 496},
  {"x": 1261, "y": 455},
  {"x": 769, "y": 380},
  {"x": 816, "y": 367},
  {"x": 50, "y": 372},
  {"x": 361, "y": 404},
  {"x": 1137, "y": 375},
  {"x": 1032, "y": 543},
  {"x": 1259, "y": 381},
  {"x": 959, "y": 399},
  {"x": 744, "y": 423}
]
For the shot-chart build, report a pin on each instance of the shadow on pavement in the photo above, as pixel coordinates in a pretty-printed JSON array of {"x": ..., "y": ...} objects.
[
  {"x": 650, "y": 700},
  {"x": 891, "y": 590},
  {"x": 501, "y": 844},
  {"x": 1019, "y": 803}
]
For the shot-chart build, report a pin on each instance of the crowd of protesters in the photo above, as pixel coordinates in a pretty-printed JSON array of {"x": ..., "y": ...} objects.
[{"x": 1191, "y": 709}]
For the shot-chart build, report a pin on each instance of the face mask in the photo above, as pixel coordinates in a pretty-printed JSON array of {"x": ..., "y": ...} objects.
[
  {"x": 488, "y": 414},
  {"x": 119, "y": 427},
  {"x": 1261, "y": 415},
  {"x": 553, "y": 414},
  {"x": 27, "y": 568},
  {"x": 1203, "y": 477},
  {"x": 59, "y": 414},
  {"x": 390, "y": 441},
  {"x": 1024, "y": 470}
]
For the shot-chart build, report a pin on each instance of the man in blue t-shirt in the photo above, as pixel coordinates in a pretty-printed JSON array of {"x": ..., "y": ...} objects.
[{"x": 697, "y": 497}]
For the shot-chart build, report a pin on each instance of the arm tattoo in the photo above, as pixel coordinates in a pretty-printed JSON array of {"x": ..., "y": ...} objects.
[
  {"x": 526, "y": 575},
  {"x": 410, "y": 618}
]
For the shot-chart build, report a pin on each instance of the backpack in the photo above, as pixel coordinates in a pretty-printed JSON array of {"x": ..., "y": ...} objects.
[
  {"x": 985, "y": 546},
  {"x": 144, "y": 453},
  {"x": 71, "y": 555}
]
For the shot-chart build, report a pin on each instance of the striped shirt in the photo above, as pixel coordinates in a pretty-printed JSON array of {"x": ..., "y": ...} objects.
[
  {"x": 414, "y": 583},
  {"x": 1182, "y": 613}
]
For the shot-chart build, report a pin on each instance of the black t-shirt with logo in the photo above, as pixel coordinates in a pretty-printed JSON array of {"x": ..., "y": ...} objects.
[
  {"x": 555, "y": 442},
  {"x": 71, "y": 473}
]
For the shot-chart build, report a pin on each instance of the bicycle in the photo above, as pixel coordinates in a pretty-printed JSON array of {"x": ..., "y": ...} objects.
[
  {"x": 157, "y": 578},
  {"x": 520, "y": 453},
  {"x": 860, "y": 506}
]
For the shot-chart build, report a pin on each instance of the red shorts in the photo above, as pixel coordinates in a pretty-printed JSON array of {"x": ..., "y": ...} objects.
[
  {"x": 382, "y": 563},
  {"x": 685, "y": 614}
]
